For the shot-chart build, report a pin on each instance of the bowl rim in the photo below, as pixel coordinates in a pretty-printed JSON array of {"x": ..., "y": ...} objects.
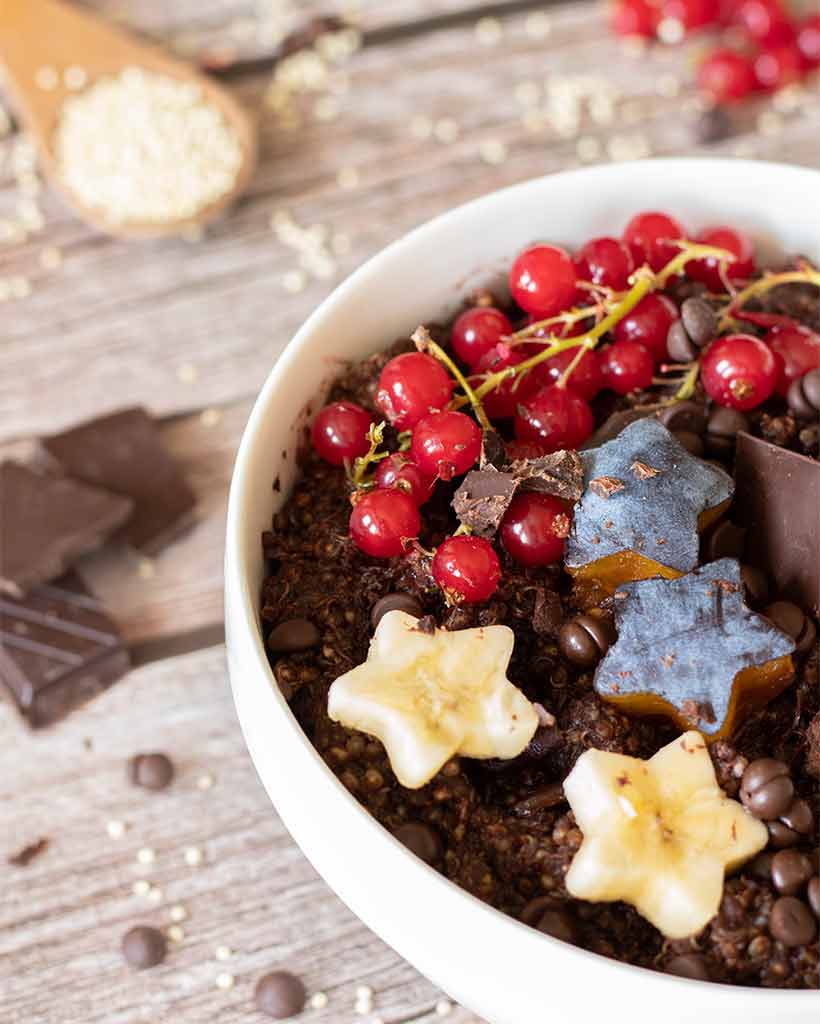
[{"x": 239, "y": 594}]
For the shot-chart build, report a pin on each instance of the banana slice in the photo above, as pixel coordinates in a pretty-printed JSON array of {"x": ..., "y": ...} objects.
[
  {"x": 428, "y": 696},
  {"x": 659, "y": 834}
]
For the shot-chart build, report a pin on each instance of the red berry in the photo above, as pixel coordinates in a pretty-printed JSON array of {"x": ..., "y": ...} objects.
[
  {"x": 691, "y": 15},
  {"x": 627, "y": 366},
  {"x": 776, "y": 66},
  {"x": 738, "y": 244},
  {"x": 502, "y": 401},
  {"x": 467, "y": 568},
  {"x": 339, "y": 432},
  {"x": 764, "y": 20},
  {"x": 648, "y": 324},
  {"x": 534, "y": 528},
  {"x": 554, "y": 418},
  {"x": 410, "y": 386},
  {"x": 445, "y": 444},
  {"x": 650, "y": 237},
  {"x": 543, "y": 280},
  {"x": 585, "y": 380},
  {"x": 634, "y": 18},
  {"x": 477, "y": 331},
  {"x": 383, "y": 521},
  {"x": 797, "y": 351},
  {"x": 605, "y": 261},
  {"x": 726, "y": 76},
  {"x": 738, "y": 371},
  {"x": 808, "y": 40},
  {"x": 401, "y": 472}
]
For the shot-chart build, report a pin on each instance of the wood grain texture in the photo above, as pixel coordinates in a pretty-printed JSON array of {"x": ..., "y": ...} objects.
[{"x": 63, "y": 916}]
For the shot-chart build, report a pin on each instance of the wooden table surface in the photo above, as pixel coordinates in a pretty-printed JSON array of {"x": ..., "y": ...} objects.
[{"x": 445, "y": 100}]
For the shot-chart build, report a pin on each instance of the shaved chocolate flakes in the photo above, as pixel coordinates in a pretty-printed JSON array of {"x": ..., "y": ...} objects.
[
  {"x": 606, "y": 486},
  {"x": 642, "y": 471}
]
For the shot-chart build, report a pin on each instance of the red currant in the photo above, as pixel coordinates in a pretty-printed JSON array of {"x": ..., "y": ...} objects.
[
  {"x": 764, "y": 20},
  {"x": 585, "y": 380},
  {"x": 445, "y": 444},
  {"x": 627, "y": 366},
  {"x": 339, "y": 432},
  {"x": 738, "y": 244},
  {"x": 634, "y": 18},
  {"x": 797, "y": 351},
  {"x": 543, "y": 280},
  {"x": 400, "y": 472},
  {"x": 534, "y": 528},
  {"x": 383, "y": 521},
  {"x": 738, "y": 371},
  {"x": 726, "y": 76},
  {"x": 691, "y": 15},
  {"x": 651, "y": 236},
  {"x": 605, "y": 261},
  {"x": 648, "y": 323},
  {"x": 554, "y": 418},
  {"x": 808, "y": 40},
  {"x": 778, "y": 66},
  {"x": 501, "y": 402},
  {"x": 467, "y": 568},
  {"x": 477, "y": 331},
  {"x": 410, "y": 386}
]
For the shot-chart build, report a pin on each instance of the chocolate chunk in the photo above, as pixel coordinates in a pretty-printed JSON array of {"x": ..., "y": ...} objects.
[
  {"x": 144, "y": 947},
  {"x": 493, "y": 450},
  {"x": 713, "y": 125},
  {"x": 723, "y": 540},
  {"x": 699, "y": 319},
  {"x": 791, "y": 619},
  {"x": 688, "y": 965},
  {"x": 755, "y": 584},
  {"x": 293, "y": 636},
  {"x": 124, "y": 454},
  {"x": 684, "y": 415},
  {"x": 407, "y": 603},
  {"x": 679, "y": 345},
  {"x": 560, "y": 473},
  {"x": 151, "y": 771},
  {"x": 24, "y": 857},
  {"x": 813, "y": 895},
  {"x": 279, "y": 995},
  {"x": 766, "y": 789},
  {"x": 791, "y": 922},
  {"x": 585, "y": 639},
  {"x": 547, "y": 612},
  {"x": 58, "y": 649},
  {"x": 693, "y": 443},
  {"x": 420, "y": 839},
  {"x": 547, "y": 916},
  {"x": 777, "y": 498},
  {"x": 791, "y": 871},
  {"x": 482, "y": 499},
  {"x": 722, "y": 429},
  {"x": 47, "y": 522}
]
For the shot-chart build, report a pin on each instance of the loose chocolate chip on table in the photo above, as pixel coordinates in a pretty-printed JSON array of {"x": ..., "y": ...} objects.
[
  {"x": 679, "y": 345},
  {"x": 688, "y": 965},
  {"x": 684, "y": 415},
  {"x": 293, "y": 636},
  {"x": 781, "y": 836},
  {"x": 585, "y": 639},
  {"x": 799, "y": 817},
  {"x": 755, "y": 582},
  {"x": 420, "y": 839},
  {"x": 699, "y": 319},
  {"x": 791, "y": 870},
  {"x": 151, "y": 771},
  {"x": 28, "y": 853},
  {"x": 792, "y": 620},
  {"x": 693, "y": 443},
  {"x": 547, "y": 916},
  {"x": 280, "y": 995},
  {"x": 395, "y": 603},
  {"x": 713, "y": 125},
  {"x": 144, "y": 947},
  {"x": 791, "y": 922},
  {"x": 814, "y": 895},
  {"x": 766, "y": 789}
]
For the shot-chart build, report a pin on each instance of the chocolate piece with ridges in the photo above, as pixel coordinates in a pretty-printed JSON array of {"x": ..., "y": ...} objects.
[
  {"x": 791, "y": 922},
  {"x": 58, "y": 649},
  {"x": 560, "y": 473},
  {"x": 482, "y": 499},
  {"x": 47, "y": 522},
  {"x": 124, "y": 454}
]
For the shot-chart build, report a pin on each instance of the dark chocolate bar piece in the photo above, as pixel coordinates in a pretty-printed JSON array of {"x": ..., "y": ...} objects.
[
  {"x": 47, "y": 522},
  {"x": 58, "y": 649},
  {"x": 124, "y": 453}
]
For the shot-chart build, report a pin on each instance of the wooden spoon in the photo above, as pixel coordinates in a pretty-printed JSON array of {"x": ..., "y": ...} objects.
[{"x": 38, "y": 34}]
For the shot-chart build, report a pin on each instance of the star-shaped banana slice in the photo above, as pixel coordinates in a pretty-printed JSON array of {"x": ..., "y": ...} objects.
[
  {"x": 659, "y": 834},
  {"x": 430, "y": 694}
]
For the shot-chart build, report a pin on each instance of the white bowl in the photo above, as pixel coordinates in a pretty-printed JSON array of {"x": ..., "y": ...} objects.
[{"x": 502, "y": 970}]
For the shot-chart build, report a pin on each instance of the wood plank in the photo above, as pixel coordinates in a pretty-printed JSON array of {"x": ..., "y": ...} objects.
[{"x": 63, "y": 916}]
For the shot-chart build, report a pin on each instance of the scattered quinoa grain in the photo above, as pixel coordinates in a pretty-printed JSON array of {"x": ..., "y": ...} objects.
[
  {"x": 187, "y": 373},
  {"x": 193, "y": 856},
  {"x": 176, "y": 933},
  {"x": 223, "y": 953},
  {"x": 146, "y": 855},
  {"x": 318, "y": 1001},
  {"x": 178, "y": 913},
  {"x": 225, "y": 981},
  {"x": 489, "y": 31},
  {"x": 115, "y": 829},
  {"x": 444, "y": 1007}
]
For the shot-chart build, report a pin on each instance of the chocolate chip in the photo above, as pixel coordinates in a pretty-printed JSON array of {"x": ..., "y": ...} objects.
[
  {"x": 713, "y": 125},
  {"x": 585, "y": 639},
  {"x": 791, "y": 922},
  {"x": 699, "y": 319},
  {"x": 791, "y": 870},
  {"x": 693, "y": 443},
  {"x": 395, "y": 603},
  {"x": 722, "y": 429},
  {"x": 755, "y": 582},
  {"x": 547, "y": 916},
  {"x": 292, "y": 636},
  {"x": 811, "y": 388},
  {"x": 279, "y": 995},
  {"x": 814, "y": 895},
  {"x": 688, "y": 965},
  {"x": 679, "y": 345},
  {"x": 684, "y": 415},
  {"x": 420, "y": 839},
  {"x": 798, "y": 402},
  {"x": 151, "y": 771},
  {"x": 781, "y": 836},
  {"x": 792, "y": 620},
  {"x": 144, "y": 947},
  {"x": 723, "y": 540},
  {"x": 761, "y": 866},
  {"x": 766, "y": 789},
  {"x": 799, "y": 817},
  {"x": 551, "y": 795}
]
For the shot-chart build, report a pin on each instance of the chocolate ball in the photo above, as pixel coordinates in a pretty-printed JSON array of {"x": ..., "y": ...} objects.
[
  {"x": 585, "y": 639},
  {"x": 811, "y": 388},
  {"x": 799, "y": 817},
  {"x": 293, "y": 636},
  {"x": 699, "y": 319},
  {"x": 755, "y": 582},
  {"x": 792, "y": 620},
  {"x": 766, "y": 789},
  {"x": 723, "y": 540},
  {"x": 813, "y": 894},
  {"x": 395, "y": 603},
  {"x": 791, "y": 870},
  {"x": 280, "y": 995},
  {"x": 693, "y": 443},
  {"x": 781, "y": 836},
  {"x": 420, "y": 839},
  {"x": 151, "y": 771},
  {"x": 144, "y": 947},
  {"x": 799, "y": 405},
  {"x": 684, "y": 415},
  {"x": 722, "y": 429},
  {"x": 548, "y": 916},
  {"x": 688, "y": 965},
  {"x": 761, "y": 866},
  {"x": 791, "y": 922},
  {"x": 679, "y": 345}
]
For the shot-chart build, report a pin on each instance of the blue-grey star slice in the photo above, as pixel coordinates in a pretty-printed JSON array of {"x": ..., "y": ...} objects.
[
  {"x": 686, "y": 639},
  {"x": 654, "y": 512}
]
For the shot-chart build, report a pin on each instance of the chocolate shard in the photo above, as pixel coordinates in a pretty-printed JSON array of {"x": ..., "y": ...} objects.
[
  {"x": 58, "y": 649},
  {"x": 777, "y": 498},
  {"x": 684, "y": 641},
  {"x": 47, "y": 522},
  {"x": 493, "y": 451},
  {"x": 124, "y": 454},
  {"x": 560, "y": 473},
  {"x": 482, "y": 499}
]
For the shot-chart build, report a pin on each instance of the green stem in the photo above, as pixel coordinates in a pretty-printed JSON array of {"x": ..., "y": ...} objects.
[
  {"x": 375, "y": 436},
  {"x": 423, "y": 341},
  {"x": 764, "y": 284},
  {"x": 687, "y": 388}
]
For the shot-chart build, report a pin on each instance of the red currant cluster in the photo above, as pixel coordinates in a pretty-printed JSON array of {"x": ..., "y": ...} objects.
[
  {"x": 771, "y": 49},
  {"x": 538, "y": 381}
]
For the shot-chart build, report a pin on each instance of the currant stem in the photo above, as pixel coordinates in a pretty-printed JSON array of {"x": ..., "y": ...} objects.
[
  {"x": 375, "y": 436},
  {"x": 690, "y": 251},
  {"x": 572, "y": 316},
  {"x": 583, "y": 348},
  {"x": 687, "y": 388},
  {"x": 424, "y": 343},
  {"x": 808, "y": 276}
]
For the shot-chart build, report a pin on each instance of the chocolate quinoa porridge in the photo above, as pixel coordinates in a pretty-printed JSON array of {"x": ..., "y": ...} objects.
[{"x": 503, "y": 827}]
